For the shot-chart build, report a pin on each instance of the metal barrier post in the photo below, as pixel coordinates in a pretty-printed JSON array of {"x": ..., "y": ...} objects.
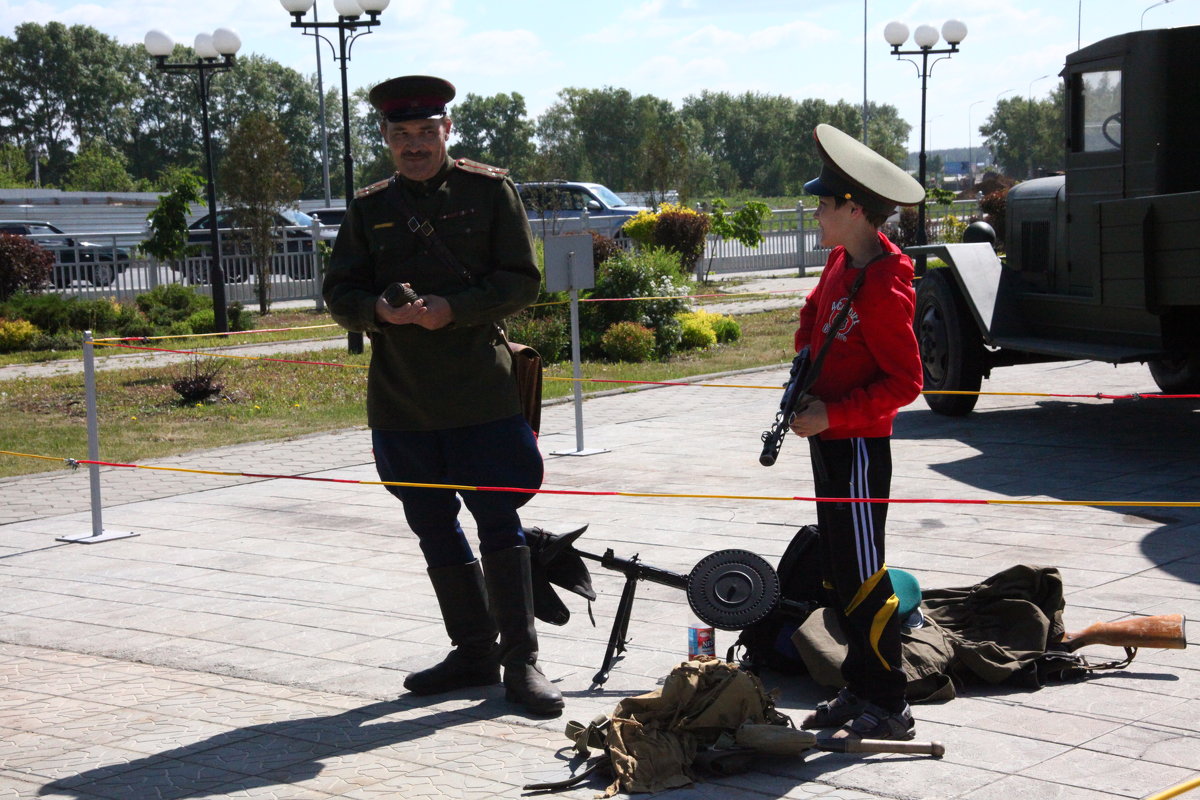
[
  {"x": 93, "y": 430},
  {"x": 569, "y": 266},
  {"x": 800, "y": 243},
  {"x": 318, "y": 275}
]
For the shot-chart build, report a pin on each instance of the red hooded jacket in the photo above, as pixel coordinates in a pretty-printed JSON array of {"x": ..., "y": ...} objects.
[{"x": 873, "y": 367}]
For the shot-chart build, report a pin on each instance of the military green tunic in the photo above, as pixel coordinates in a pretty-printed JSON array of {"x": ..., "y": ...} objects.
[{"x": 421, "y": 380}]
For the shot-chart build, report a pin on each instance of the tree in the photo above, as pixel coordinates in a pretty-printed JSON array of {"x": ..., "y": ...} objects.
[
  {"x": 166, "y": 121},
  {"x": 663, "y": 154},
  {"x": 256, "y": 182},
  {"x": 372, "y": 159},
  {"x": 590, "y": 134},
  {"x": 14, "y": 167},
  {"x": 258, "y": 85},
  {"x": 99, "y": 167},
  {"x": 495, "y": 130},
  {"x": 60, "y": 84},
  {"x": 168, "y": 239},
  {"x": 1026, "y": 135}
]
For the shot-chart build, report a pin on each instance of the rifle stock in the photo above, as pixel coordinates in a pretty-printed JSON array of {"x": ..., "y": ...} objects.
[{"x": 1165, "y": 631}]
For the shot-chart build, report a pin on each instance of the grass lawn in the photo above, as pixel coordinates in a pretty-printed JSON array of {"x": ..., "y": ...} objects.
[{"x": 141, "y": 417}]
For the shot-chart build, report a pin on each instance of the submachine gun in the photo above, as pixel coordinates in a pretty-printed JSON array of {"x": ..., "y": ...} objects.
[{"x": 799, "y": 381}]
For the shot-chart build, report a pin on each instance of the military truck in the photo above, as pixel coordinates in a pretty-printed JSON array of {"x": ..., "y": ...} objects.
[{"x": 1102, "y": 263}]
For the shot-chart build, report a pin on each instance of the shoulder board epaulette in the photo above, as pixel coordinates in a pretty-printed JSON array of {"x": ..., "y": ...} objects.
[
  {"x": 467, "y": 165},
  {"x": 378, "y": 186}
]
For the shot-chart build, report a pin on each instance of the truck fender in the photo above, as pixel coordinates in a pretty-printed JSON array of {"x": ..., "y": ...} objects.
[{"x": 977, "y": 274}]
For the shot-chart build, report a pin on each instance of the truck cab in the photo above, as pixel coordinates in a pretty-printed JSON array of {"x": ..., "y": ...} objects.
[{"x": 1102, "y": 263}]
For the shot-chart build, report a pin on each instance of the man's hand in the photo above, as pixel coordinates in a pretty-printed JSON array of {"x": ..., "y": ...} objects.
[
  {"x": 811, "y": 419},
  {"x": 430, "y": 311},
  {"x": 438, "y": 313}
]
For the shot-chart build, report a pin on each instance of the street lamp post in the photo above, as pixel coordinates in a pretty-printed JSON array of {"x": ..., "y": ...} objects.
[
  {"x": 348, "y": 25},
  {"x": 1142, "y": 23},
  {"x": 924, "y": 37},
  {"x": 971, "y": 140},
  {"x": 214, "y": 53}
]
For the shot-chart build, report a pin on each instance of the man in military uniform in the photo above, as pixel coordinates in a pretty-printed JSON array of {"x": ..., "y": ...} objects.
[{"x": 441, "y": 397}]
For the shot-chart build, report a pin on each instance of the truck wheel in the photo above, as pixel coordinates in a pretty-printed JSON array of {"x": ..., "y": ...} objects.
[
  {"x": 1177, "y": 375},
  {"x": 952, "y": 353}
]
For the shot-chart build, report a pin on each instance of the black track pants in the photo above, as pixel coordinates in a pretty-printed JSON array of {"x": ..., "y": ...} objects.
[{"x": 852, "y": 559}]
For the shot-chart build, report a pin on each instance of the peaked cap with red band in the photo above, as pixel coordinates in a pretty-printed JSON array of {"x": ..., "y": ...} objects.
[{"x": 412, "y": 97}]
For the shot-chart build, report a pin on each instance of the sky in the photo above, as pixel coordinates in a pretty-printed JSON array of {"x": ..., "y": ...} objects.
[{"x": 671, "y": 49}]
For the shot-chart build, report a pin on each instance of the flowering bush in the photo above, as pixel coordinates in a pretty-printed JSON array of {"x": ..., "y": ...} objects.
[{"x": 651, "y": 273}]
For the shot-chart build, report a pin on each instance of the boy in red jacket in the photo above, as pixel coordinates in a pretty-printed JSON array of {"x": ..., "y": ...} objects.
[{"x": 872, "y": 368}]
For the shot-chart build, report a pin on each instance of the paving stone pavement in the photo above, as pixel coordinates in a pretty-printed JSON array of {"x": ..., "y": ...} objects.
[{"x": 251, "y": 641}]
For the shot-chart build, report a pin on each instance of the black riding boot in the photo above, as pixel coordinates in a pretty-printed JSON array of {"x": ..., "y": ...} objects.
[
  {"x": 473, "y": 661},
  {"x": 510, "y": 594}
]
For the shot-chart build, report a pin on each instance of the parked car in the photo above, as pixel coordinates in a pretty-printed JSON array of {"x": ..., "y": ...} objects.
[
  {"x": 293, "y": 246},
  {"x": 73, "y": 259},
  {"x": 329, "y": 216},
  {"x": 566, "y": 199}
]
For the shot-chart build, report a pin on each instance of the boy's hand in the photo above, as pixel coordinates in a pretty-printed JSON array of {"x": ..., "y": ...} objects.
[{"x": 811, "y": 418}]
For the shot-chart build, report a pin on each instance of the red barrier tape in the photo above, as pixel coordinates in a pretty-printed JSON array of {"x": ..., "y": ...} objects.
[{"x": 669, "y": 495}]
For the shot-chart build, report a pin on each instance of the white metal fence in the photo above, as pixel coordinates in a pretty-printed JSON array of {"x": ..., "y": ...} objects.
[
  {"x": 295, "y": 267},
  {"x": 112, "y": 265}
]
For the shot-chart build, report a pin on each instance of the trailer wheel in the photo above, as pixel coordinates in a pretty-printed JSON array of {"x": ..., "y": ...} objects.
[
  {"x": 1177, "y": 375},
  {"x": 952, "y": 354}
]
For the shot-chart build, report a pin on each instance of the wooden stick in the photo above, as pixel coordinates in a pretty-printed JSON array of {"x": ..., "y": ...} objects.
[{"x": 783, "y": 741}]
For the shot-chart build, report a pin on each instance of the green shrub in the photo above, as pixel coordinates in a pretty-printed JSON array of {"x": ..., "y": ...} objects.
[
  {"x": 238, "y": 317},
  {"x": 628, "y": 341},
  {"x": 171, "y": 302},
  {"x": 55, "y": 341},
  {"x": 49, "y": 312},
  {"x": 550, "y": 335},
  {"x": 697, "y": 333},
  {"x": 132, "y": 322},
  {"x": 16, "y": 334},
  {"x": 92, "y": 315},
  {"x": 179, "y": 328},
  {"x": 726, "y": 328},
  {"x": 204, "y": 321},
  {"x": 25, "y": 266}
]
